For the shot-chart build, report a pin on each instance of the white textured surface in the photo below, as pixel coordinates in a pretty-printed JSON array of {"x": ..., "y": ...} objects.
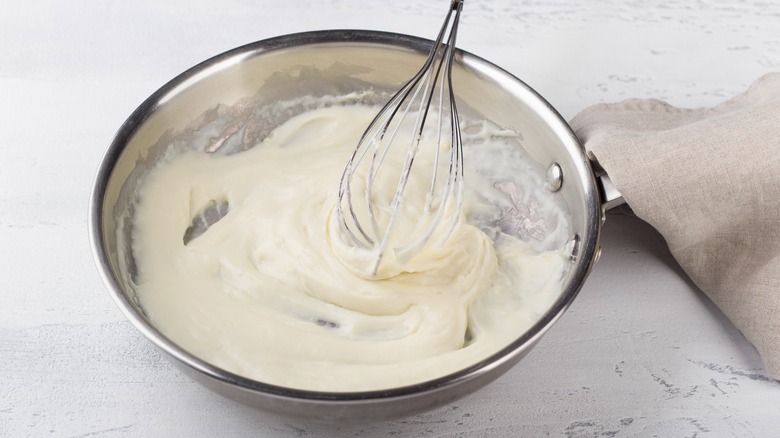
[{"x": 640, "y": 353}]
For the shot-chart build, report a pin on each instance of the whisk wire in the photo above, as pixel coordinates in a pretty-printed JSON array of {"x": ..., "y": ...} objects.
[{"x": 416, "y": 95}]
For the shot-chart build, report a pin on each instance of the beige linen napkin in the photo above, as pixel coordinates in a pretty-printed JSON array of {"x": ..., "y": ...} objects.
[{"x": 709, "y": 181}]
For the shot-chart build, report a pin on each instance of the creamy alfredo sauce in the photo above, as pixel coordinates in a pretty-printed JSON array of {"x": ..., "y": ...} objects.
[{"x": 262, "y": 292}]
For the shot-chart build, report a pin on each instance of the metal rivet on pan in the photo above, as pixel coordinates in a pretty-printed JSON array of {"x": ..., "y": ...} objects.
[
  {"x": 554, "y": 178},
  {"x": 573, "y": 247}
]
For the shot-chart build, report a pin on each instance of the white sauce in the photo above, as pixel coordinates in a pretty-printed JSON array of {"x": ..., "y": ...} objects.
[{"x": 263, "y": 294}]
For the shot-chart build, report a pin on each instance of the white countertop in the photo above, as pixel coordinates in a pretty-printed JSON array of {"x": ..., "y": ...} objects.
[{"x": 641, "y": 352}]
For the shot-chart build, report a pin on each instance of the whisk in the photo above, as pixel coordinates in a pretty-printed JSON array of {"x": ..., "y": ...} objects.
[{"x": 369, "y": 223}]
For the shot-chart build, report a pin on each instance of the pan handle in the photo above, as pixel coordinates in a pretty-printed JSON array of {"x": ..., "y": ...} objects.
[{"x": 610, "y": 196}]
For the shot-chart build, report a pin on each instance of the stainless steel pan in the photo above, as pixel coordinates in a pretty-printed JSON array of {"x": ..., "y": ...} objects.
[{"x": 291, "y": 65}]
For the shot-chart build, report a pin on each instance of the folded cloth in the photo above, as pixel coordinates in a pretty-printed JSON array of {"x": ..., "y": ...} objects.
[{"x": 709, "y": 181}]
